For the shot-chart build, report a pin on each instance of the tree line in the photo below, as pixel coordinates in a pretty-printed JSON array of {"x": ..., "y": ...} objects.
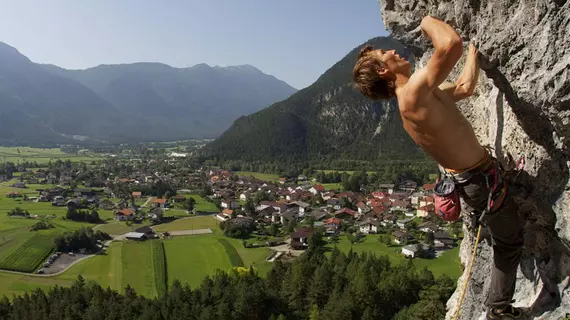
[{"x": 83, "y": 238}]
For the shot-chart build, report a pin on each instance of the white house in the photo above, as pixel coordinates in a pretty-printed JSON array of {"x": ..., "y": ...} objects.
[
  {"x": 229, "y": 204},
  {"x": 159, "y": 203},
  {"x": 415, "y": 198},
  {"x": 244, "y": 196},
  {"x": 124, "y": 215},
  {"x": 369, "y": 227},
  {"x": 411, "y": 250}
]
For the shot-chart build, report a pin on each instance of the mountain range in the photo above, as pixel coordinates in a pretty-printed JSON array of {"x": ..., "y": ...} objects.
[
  {"x": 46, "y": 104},
  {"x": 329, "y": 120}
]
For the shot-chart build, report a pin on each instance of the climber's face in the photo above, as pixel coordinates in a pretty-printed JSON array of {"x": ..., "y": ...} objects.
[{"x": 393, "y": 62}]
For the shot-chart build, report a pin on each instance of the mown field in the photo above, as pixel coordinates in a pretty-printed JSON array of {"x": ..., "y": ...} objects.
[
  {"x": 138, "y": 267},
  {"x": 158, "y": 257},
  {"x": 189, "y": 259},
  {"x": 41, "y": 155}
]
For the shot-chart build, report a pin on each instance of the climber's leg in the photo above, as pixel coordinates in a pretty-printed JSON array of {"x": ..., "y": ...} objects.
[{"x": 506, "y": 229}]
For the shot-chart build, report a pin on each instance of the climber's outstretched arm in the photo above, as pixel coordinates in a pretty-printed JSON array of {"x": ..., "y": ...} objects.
[
  {"x": 448, "y": 49},
  {"x": 465, "y": 84}
]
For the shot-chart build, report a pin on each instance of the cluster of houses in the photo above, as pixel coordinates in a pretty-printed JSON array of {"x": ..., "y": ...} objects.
[
  {"x": 392, "y": 206},
  {"x": 83, "y": 198}
]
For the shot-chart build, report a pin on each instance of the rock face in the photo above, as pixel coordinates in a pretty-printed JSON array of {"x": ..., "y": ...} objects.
[{"x": 521, "y": 107}]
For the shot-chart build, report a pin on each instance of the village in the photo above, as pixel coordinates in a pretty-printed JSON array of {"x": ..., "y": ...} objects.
[
  {"x": 272, "y": 213},
  {"x": 405, "y": 212}
]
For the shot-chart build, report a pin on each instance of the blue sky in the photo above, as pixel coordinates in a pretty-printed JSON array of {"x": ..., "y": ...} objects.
[{"x": 294, "y": 40}]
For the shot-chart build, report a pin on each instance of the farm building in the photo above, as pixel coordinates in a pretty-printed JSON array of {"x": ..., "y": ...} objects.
[{"x": 137, "y": 236}]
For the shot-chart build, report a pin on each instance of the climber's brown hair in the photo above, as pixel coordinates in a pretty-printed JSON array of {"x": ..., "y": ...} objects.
[{"x": 367, "y": 79}]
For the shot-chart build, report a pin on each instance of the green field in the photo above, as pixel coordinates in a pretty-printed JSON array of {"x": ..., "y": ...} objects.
[
  {"x": 231, "y": 253},
  {"x": 258, "y": 175},
  {"x": 14, "y": 284},
  {"x": 159, "y": 264},
  {"x": 189, "y": 259},
  {"x": 202, "y": 205},
  {"x": 138, "y": 264},
  {"x": 448, "y": 263},
  {"x": 41, "y": 155},
  {"x": 29, "y": 256},
  {"x": 138, "y": 267},
  {"x": 190, "y": 223},
  {"x": 333, "y": 186}
]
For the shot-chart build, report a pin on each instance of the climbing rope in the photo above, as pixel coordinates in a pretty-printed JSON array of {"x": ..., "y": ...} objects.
[{"x": 468, "y": 274}]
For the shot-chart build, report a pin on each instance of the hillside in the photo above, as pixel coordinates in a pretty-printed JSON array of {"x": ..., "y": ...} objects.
[
  {"x": 520, "y": 107},
  {"x": 46, "y": 105},
  {"x": 329, "y": 119},
  {"x": 38, "y": 106}
]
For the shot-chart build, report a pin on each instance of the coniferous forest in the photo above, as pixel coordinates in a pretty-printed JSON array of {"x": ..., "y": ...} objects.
[{"x": 314, "y": 286}]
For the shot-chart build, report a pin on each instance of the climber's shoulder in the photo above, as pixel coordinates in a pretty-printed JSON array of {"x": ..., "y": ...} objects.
[
  {"x": 415, "y": 97},
  {"x": 417, "y": 88}
]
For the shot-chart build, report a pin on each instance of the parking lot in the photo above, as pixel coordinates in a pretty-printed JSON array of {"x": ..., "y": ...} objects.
[{"x": 62, "y": 262}]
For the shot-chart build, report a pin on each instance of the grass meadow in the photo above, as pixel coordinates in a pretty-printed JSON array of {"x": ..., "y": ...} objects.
[{"x": 41, "y": 155}]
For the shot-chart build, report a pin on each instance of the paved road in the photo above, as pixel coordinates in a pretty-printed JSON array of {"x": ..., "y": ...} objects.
[{"x": 147, "y": 201}]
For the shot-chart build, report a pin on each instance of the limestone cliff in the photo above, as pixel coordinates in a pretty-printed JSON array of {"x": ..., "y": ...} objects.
[{"x": 521, "y": 106}]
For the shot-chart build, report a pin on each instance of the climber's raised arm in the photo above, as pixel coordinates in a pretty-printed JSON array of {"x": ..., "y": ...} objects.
[
  {"x": 447, "y": 51},
  {"x": 465, "y": 84}
]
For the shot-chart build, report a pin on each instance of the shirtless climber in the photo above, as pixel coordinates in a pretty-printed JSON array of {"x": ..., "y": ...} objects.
[{"x": 432, "y": 119}]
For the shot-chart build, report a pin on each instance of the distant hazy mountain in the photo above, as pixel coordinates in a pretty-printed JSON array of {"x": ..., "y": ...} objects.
[
  {"x": 43, "y": 104},
  {"x": 328, "y": 120}
]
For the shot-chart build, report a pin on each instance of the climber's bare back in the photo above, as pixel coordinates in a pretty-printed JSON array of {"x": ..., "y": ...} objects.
[{"x": 435, "y": 123}]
